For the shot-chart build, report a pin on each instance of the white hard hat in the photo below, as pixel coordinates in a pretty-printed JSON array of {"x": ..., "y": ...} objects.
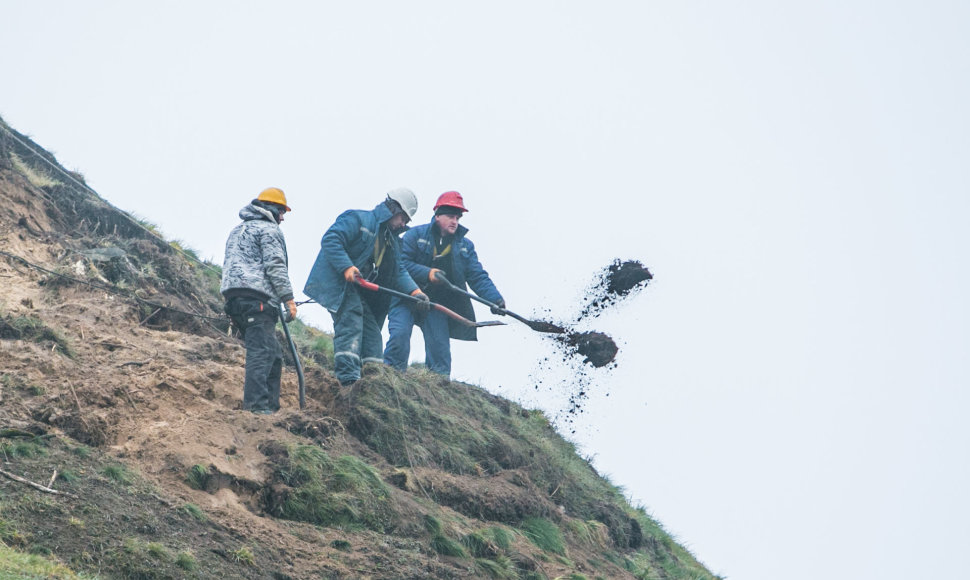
[{"x": 406, "y": 199}]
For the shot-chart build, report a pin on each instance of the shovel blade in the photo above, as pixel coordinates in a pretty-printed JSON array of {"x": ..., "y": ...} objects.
[
  {"x": 542, "y": 326},
  {"x": 490, "y": 323}
]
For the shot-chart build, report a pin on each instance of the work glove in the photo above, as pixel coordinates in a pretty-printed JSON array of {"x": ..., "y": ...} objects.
[
  {"x": 351, "y": 274},
  {"x": 500, "y": 311},
  {"x": 291, "y": 309},
  {"x": 436, "y": 276},
  {"x": 424, "y": 303}
]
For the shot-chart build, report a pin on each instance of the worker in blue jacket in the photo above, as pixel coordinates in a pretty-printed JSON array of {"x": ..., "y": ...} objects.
[
  {"x": 362, "y": 244},
  {"x": 429, "y": 251}
]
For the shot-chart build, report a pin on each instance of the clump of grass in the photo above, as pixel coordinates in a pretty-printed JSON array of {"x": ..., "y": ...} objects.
[
  {"x": 82, "y": 451},
  {"x": 501, "y": 568},
  {"x": 447, "y": 547},
  {"x": 432, "y": 524},
  {"x": 198, "y": 477},
  {"x": 36, "y": 177},
  {"x": 158, "y": 551},
  {"x": 67, "y": 476},
  {"x": 186, "y": 561},
  {"x": 117, "y": 473},
  {"x": 478, "y": 545},
  {"x": 342, "y": 545},
  {"x": 22, "y": 449},
  {"x": 544, "y": 534},
  {"x": 73, "y": 521},
  {"x": 33, "y": 329},
  {"x": 244, "y": 556},
  {"x": 195, "y": 511},
  {"x": 312, "y": 343},
  {"x": 501, "y": 536},
  {"x": 333, "y": 492}
]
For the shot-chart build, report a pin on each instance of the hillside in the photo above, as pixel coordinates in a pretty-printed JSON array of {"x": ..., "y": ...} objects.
[{"x": 120, "y": 390}]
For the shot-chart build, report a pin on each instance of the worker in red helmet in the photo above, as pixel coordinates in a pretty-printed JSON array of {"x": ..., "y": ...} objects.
[{"x": 434, "y": 253}]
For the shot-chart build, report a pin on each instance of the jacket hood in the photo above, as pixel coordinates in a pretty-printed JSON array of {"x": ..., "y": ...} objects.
[
  {"x": 253, "y": 212},
  {"x": 384, "y": 213}
]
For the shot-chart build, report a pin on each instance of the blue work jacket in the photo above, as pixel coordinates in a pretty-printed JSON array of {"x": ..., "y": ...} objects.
[
  {"x": 350, "y": 242},
  {"x": 417, "y": 254}
]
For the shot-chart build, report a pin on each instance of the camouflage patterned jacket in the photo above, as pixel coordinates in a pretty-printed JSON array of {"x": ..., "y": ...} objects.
[{"x": 256, "y": 257}]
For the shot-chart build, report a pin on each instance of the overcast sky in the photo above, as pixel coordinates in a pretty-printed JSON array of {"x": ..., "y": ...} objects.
[{"x": 791, "y": 392}]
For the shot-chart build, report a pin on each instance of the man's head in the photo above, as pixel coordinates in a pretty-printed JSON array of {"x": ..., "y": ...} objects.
[
  {"x": 448, "y": 210},
  {"x": 274, "y": 200},
  {"x": 403, "y": 205}
]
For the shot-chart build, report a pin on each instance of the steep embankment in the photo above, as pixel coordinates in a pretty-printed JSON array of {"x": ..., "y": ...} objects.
[{"x": 117, "y": 378}]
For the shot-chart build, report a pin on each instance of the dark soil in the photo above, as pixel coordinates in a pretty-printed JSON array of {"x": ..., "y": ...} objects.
[
  {"x": 598, "y": 349},
  {"x": 581, "y": 350},
  {"x": 614, "y": 283}
]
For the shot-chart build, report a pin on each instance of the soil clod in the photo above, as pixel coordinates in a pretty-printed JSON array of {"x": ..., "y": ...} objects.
[{"x": 598, "y": 349}]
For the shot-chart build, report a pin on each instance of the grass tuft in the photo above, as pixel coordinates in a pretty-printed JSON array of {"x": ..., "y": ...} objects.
[
  {"x": 198, "y": 477},
  {"x": 244, "y": 556},
  {"x": 117, "y": 473},
  {"x": 195, "y": 511},
  {"x": 544, "y": 534},
  {"x": 186, "y": 561},
  {"x": 447, "y": 547}
]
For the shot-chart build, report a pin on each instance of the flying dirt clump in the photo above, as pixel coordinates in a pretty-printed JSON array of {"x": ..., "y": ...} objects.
[{"x": 581, "y": 350}]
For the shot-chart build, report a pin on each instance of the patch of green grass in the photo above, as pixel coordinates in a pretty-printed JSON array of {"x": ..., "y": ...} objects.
[
  {"x": 22, "y": 449},
  {"x": 198, "y": 477},
  {"x": 312, "y": 343},
  {"x": 243, "y": 556},
  {"x": 501, "y": 568},
  {"x": 36, "y": 177},
  {"x": 33, "y": 329},
  {"x": 186, "y": 561},
  {"x": 447, "y": 547},
  {"x": 501, "y": 536},
  {"x": 117, "y": 473},
  {"x": 544, "y": 534},
  {"x": 16, "y": 564},
  {"x": 478, "y": 545},
  {"x": 342, "y": 545},
  {"x": 432, "y": 524},
  {"x": 195, "y": 511},
  {"x": 332, "y": 492},
  {"x": 82, "y": 451},
  {"x": 67, "y": 476},
  {"x": 158, "y": 551}
]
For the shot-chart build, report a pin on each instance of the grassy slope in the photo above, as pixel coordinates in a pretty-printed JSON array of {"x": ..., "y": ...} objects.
[{"x": 438, "y": 470}]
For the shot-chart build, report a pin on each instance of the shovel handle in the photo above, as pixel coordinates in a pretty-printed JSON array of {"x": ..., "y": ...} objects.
[{"x": 444, "y": 310}]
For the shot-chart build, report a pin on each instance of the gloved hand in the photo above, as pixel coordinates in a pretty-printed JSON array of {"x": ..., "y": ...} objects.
[
  {"x": 436, "y": 276},
  {"x": 500, "y": 311},
  {"x": 351, "y": 274},
  {"x": 291, "y": 309},
  {"x": 424, "y": 304}
]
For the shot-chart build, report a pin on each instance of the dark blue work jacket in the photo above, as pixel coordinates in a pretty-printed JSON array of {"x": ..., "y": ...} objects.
[
  {"x": 417, "y": 254},
  {"x": 350, "y": 242}
]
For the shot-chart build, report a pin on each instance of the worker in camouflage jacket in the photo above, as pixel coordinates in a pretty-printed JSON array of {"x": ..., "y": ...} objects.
[
  {"x": 432, "y": 254},
  {"x": 364, "y": 245},
  {"x": 255, "y": 281}
]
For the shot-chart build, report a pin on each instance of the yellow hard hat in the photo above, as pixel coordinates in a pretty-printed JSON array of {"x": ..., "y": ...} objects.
[{"x": 274, "y": 195}]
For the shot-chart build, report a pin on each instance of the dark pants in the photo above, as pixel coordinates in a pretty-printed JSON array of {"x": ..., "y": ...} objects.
[
  {"x": 356, "y": 337},
  {"x": 264, "y": 357},
  {"x": 437, "y": 340}
]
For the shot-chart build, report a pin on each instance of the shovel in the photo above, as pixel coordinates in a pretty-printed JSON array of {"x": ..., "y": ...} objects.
[
  {"x": 536, "y": 325},
  {"x": 447, "y": 312},
  {"x": 284, "y": 318}
]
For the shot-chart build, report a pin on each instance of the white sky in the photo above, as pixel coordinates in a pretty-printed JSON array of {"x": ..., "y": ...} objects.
[{"x": 791, "y": 393}]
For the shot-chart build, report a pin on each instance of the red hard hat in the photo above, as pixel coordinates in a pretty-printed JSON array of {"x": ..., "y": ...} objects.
[{"x": 450, "y": 199}]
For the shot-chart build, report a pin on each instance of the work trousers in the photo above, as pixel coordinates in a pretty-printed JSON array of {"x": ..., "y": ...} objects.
[
  {"x": 356, "y": 337},
  {"x": 264, "y": 357},
  {"x": 437, "y": 340}
]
